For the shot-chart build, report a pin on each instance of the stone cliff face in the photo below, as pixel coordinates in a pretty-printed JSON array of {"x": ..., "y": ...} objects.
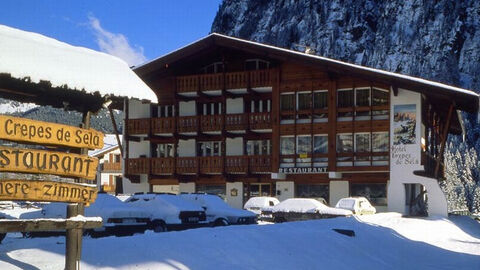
[
  {"x": 433, "y": 39},
  {"x": 438, "y": 40}
]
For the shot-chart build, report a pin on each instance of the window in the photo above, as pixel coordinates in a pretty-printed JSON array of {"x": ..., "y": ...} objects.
[
  {"x": 260, "y": 105},
  {"x": 375, "y": 193},
  {"x": 256, "y": 64},
  {"x": 287, "y": 145},
  {"x": 165, "y": 150},
  {"x": 380, "y": 141},
  {"x": 320, "y": 144},
  {"x": 304, "y": 101},
  {"x": 320, "y": 99},
  {"x": 379, "y": 97},
  {"x": 304, "y": 144},
  {"x": 344, "y": 98},
  {"x": 166, "y": 111},
  {"x": 362, "y": 142},
  {"x": 117, "y": 158},
  {"x": 344, "y": 143},
  {"x": 258, "y": 147},
  {"x": 210, "y": 108},
  {"x": 362, "y": 97},
  {"x": 212, "y": 189},
  {"x": 208, "y": 149},
  {"x": 216, "y": 67},
  {"x": 287, "y": 102},
  {"x": 312, "y": 191}
]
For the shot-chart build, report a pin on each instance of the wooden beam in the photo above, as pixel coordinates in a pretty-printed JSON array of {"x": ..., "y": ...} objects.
[
  {"x": 395, "y": 90},
  {"x": 42, "y": 225},
  {"x": 444, "y": 138},
  {"x": 115, "y": 128}
]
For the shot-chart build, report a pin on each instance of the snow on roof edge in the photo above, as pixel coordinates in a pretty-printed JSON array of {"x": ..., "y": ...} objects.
[{"x": 79, "y": 68}]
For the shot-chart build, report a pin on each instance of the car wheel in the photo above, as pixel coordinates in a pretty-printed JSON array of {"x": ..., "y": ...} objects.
[
  {"x": 159, "y": 226},
  {"x": 2, "y": 236},
  {"x": 220, "y": 222}
]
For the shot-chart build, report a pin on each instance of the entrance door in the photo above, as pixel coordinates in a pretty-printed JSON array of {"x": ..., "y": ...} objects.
[{"x": 260, "y": 189}]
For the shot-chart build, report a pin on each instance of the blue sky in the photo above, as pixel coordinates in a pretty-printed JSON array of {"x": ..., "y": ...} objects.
[{"x": 136, "y": 31}]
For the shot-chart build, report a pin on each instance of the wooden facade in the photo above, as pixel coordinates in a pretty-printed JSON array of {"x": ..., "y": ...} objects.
[{"x": 343, "y": 112}]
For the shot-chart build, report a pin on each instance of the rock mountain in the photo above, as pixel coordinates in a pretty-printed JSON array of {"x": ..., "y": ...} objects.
[{"x": 433, "y": 39}]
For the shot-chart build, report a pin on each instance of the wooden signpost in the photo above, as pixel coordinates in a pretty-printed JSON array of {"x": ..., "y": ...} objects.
[{"x": 75, "y": 164}]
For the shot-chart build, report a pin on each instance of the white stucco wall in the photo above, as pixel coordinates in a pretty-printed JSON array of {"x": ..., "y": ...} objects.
[
  {"x": 234, "y": 105},
  {"x": 186, "y": 108},
  {"x": 405, "y": 159},
  {"x": 137, "y": 109},
  {"x": 286, "y": 189},
  {"x": 166, "y": 188},
  {"x": 130, "y": 188},
  {"x": 136, "y": 149},
  {"x": 235, "y": 201},
  {"x": 234, "y": 146},
  {"x": 186, "y": 148},
  {"x": 187, "y": 187},
  {"x": 338, "y": 190}
]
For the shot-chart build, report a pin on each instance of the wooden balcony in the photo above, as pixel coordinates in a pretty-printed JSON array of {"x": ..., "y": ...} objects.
[
  {"x": 260, "y": 164},
  {"x": 108, "y": 188},
  {"x": 138, "y": 126},
  {"x": 211, "y": 165},
  {"x": 163, "y": 125},
  {"x": 260, "y": 120},
  {"x": 163, "y": 165},
  {"x": 187, "y": 124},
  {"x": 219, "y": 81},
  {"x": 138, "y": 166},
  {"x": 187, "y": 165},
  {"x": 112, "y": 166},
  {"x": 238, "y": 121},
  {"x": 236, "y": 164},
  {"x": 211, "y": 122}
]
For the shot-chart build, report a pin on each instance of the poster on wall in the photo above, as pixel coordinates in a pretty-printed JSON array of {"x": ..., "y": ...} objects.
[{"x": 404, "y": 122}]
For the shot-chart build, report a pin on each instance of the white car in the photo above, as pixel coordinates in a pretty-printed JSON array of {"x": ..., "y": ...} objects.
[
  {"x": 169, "y": 211},
  {"x": 304, "y": 209},
  {"x": 118, "y": 217},
  {"x": 358, "y": 205},
  {"x": 218, "y": 212},
  {"x": 261, "y": 206}
]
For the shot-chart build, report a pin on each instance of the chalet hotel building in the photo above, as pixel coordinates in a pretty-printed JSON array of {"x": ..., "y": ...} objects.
[{"x": 242, "y": 119}]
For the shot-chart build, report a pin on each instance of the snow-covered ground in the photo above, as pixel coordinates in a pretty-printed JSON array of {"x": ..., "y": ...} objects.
[{"x": 382, "y": 241}]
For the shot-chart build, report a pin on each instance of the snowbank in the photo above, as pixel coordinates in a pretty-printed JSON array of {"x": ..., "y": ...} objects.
[
  {"x": 382, "y": 241},
  {"x": 299, "y": 205}
]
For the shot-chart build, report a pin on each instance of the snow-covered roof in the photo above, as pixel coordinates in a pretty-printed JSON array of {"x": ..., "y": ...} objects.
[
  {"x": 109, "y": 144},
  {"x": 26, "y": 54},
  {"x": 466, "y": 99}
]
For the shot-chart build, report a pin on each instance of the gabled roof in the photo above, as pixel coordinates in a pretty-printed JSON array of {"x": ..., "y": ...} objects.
[
  {"x": 109, "y": 144},
  {"x": 33, "y": 66},
  {"x": 466, "y": 100}
]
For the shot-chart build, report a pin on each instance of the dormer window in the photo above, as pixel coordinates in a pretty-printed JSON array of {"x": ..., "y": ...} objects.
[
  {"x": 256, "y": 64},
  {"x": 216, "y": 67}
]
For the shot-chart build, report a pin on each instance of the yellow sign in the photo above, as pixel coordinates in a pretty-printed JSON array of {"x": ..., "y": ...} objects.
[
  {"x": 48, "y": 191},
  {"x": 47, "y": 162},
  {"x": 303, "y": 155},
  {"x": 26, "y": 130}
]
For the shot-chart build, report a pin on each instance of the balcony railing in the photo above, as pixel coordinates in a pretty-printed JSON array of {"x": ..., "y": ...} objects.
[
  {"x": 202, "y": 165},
  {"x": 187, "y": 123},
  {"x": 112, "y": 166},
  {"x": 238, "y": 121},
  {"x": 138, "y": 166},
  {"x": 163, "y": 125},
  {"x": 163, "y": 165},
  {"x": 138, "y": 126},
  {"x": 230, "y": 80},
  {"x": 261, "y": 120},
  {"x": 211, "y": 122}
]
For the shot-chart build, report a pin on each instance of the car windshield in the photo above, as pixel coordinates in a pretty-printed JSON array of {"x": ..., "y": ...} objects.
[{"x": 346, "y": 204}]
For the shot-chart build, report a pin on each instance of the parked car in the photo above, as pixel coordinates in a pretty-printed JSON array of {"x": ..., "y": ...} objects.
[
  {"x": 118, "y": 217},
  {"x": 304, "y": 209},
  {"x": 218, "y": 212},
  {"x": 358, "y": 205},
  {"x": 258, "y": 205},
  {"x": 169, "y": 211}
]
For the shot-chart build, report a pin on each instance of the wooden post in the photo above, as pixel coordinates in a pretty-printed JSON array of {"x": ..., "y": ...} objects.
[
  {"x": 73, "y": 243},
  {"x": 115, "y": 128},
  {"x": 444, "y": 139}
]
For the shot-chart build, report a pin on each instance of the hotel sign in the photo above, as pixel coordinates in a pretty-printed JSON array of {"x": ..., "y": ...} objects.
[
  {"x": 302, "y": 170},
  {"x": 39, "y": 190}
]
